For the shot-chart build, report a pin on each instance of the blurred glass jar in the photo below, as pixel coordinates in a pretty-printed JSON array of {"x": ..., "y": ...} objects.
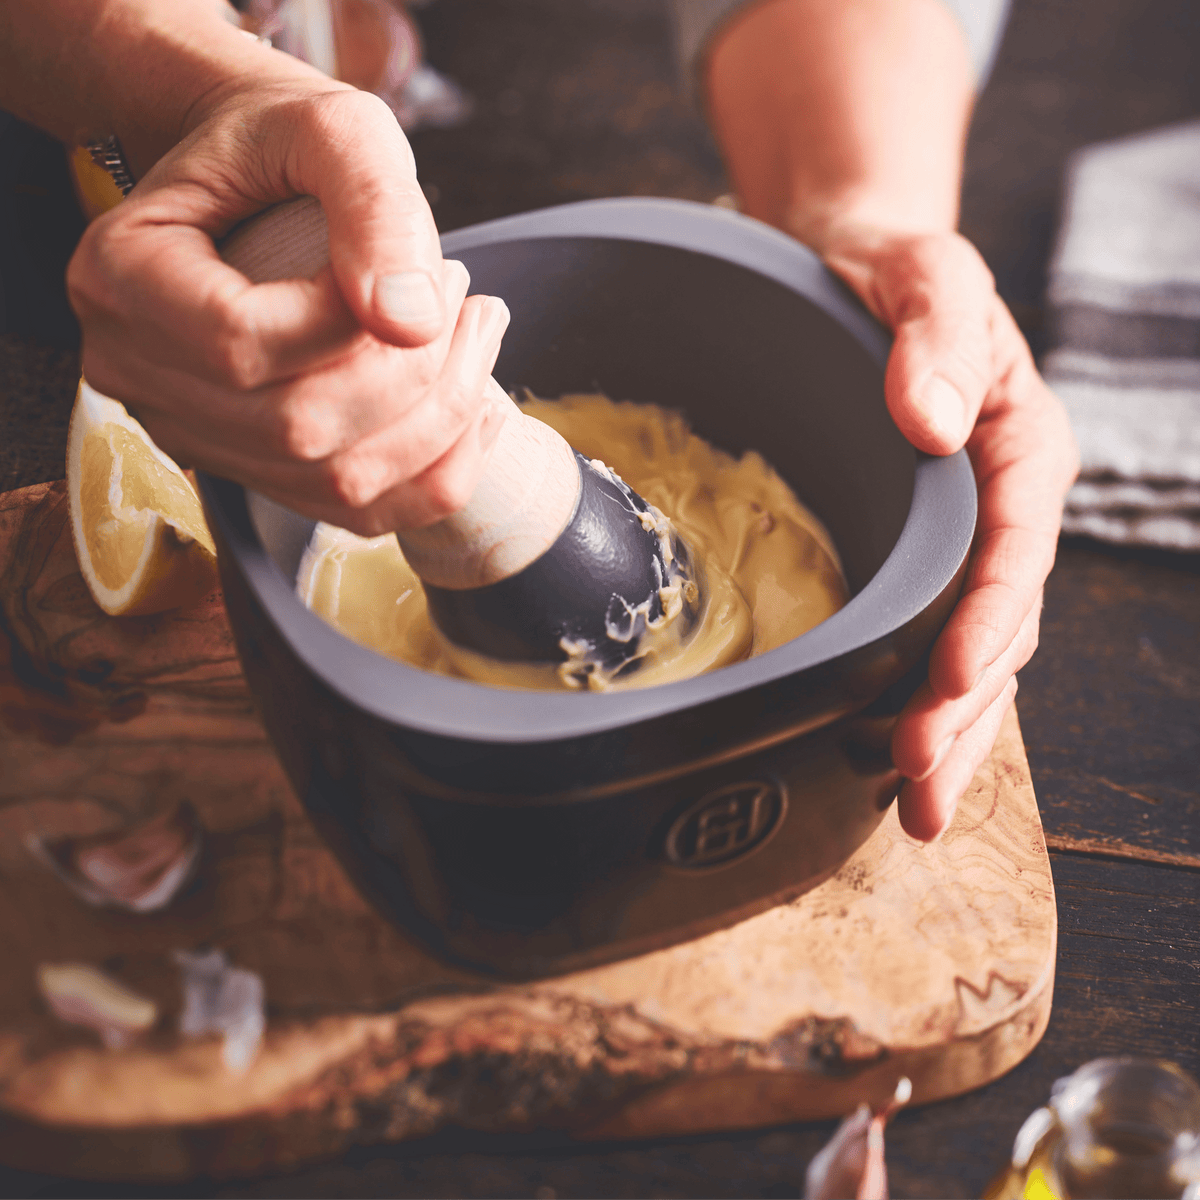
[{"x": 1118, "y": 1127}]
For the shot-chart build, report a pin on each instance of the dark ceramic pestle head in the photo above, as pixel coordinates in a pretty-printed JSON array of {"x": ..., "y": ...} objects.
[{"x": 596, "y": 587}]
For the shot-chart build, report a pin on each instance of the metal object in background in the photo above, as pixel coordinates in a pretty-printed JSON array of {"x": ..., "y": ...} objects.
[{"x": 108, "y": 154}]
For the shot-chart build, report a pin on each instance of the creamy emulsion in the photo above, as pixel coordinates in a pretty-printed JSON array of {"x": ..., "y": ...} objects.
[{"x": 767, "y": 568}]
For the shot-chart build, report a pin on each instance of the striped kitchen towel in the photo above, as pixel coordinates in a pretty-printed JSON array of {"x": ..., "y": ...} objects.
[{"x": 1124, "y": 305}]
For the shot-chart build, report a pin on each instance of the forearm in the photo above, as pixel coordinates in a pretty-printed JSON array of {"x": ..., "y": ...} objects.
[
  {"x": 83, "y": 69},
  {"x": 831, "y": 111}
]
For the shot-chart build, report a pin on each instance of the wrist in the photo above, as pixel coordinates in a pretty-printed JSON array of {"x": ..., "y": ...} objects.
[
  {"x": 251, "y": 67},
  {"x": 843, "y": 112},
  {"x": 198, "y": 61},
  {"x": 825, "y": 222}
]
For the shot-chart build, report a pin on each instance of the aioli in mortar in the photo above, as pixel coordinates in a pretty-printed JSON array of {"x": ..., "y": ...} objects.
[{"x": 769, "y": 569}]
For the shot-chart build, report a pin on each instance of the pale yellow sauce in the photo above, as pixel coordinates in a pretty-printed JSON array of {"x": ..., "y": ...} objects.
[{"x": 767, "y": 568}]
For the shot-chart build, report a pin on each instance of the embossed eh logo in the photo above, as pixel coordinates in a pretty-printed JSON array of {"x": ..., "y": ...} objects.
[{"x": 725, "y": 824}]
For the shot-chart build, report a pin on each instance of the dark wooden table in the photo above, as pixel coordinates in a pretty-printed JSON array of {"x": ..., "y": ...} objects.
[{"x": 576, "y": 98}]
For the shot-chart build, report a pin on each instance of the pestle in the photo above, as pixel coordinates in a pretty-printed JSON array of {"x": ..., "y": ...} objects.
[{"x": 553, "y": 558}]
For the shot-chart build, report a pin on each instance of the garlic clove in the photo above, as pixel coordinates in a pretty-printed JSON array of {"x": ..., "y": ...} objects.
[
  {"x": 84, "y": 995},
  {"x": 140, "y": 868},
  {"x": 852, "y": 1162}
]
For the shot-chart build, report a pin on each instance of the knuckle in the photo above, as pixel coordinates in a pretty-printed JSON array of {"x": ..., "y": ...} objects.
[
  {"x": 370, "y": 110},
  {"x": 970, "y": 260},
  {"x": 307, "y": 430},
  {"x": 367, "y": 522},
  {"x": 458, "y": 404},
  {"x": 955, "y": 253},
  {"x": 446, "y": 491},
  {"x": 945, "y": 261},
  {"x": 371, "y": 524},
  {"x": 348, "y": 114},
  {"x": 1027, "y": 642},
  {"x": 237, "y": 351},
  {"x": 922, "y": 257},
  {"x": 411, "y": 374},
  {"x": 361, "y": 106},
  {"x": 422, "y": 365},
  {"x": 353, "y": 481},
  {"x": 89, "y": 273}
]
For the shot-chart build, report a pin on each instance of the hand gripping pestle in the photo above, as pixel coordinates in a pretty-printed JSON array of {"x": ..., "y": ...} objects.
[{"x": 553, "y": 558}]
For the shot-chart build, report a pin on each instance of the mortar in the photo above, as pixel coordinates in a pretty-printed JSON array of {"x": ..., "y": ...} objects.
[{"x": 525, "y": 833}]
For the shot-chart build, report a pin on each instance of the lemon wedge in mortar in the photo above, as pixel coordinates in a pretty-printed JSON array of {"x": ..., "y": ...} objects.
[{"x": 136, "y": 520}]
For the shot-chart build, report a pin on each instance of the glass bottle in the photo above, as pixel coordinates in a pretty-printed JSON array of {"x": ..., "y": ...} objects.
[
  {"x": 1118, "y": 1127},
  {"x": 373, "y": 44}
]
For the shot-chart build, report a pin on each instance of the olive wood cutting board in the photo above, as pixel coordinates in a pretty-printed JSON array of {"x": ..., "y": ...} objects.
[{"x": 935, "y": 962}]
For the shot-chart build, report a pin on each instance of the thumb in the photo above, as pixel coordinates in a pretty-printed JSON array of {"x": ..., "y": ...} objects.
[
  {"x": 383, "y": 243},
  {"x": 936, "y": 294}
]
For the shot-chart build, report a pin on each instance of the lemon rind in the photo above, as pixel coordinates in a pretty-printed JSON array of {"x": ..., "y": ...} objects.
[{"x": 138, "y": 596}]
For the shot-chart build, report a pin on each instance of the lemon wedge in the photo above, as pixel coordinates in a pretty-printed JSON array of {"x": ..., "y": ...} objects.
[{"x": 136, "y": 520}]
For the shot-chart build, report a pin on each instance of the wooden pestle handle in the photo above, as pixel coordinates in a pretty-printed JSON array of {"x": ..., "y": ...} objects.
[{"x": 530, "y": 483}]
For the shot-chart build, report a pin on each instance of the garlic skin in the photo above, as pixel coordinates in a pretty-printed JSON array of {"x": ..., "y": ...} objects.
[
  {"x": 219, "y": 998},
  {"x": 852, "y": 1162},
  {"x": 140, "y": 868},
  {"x": 81, "y": 994}
]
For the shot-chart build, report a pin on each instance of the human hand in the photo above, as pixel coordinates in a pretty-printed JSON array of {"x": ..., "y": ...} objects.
[
  {"x": 960, "y": 373},
  {"x": 361, "y": 396}
]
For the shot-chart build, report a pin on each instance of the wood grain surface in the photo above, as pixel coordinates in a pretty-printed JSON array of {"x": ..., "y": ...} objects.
[
  {"x": 1141, "y": 779},
  {"x": 934, "y": 962},
  {"x": 580, "y": 99}
]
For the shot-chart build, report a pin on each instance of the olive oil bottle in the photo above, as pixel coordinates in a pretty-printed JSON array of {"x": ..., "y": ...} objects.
[{"x": 1118, "y": 1127}]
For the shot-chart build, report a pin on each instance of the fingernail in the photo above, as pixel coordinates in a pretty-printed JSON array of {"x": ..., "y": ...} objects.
[
  {"x": 946, "y": 820},
  {"x": 494, "y": 319},
  {"x": 939, "y": 756},
  {"x": 408, "y": 296},
  {"x": 944, "y": 408},
  {"x": 452, "y": 267}
]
